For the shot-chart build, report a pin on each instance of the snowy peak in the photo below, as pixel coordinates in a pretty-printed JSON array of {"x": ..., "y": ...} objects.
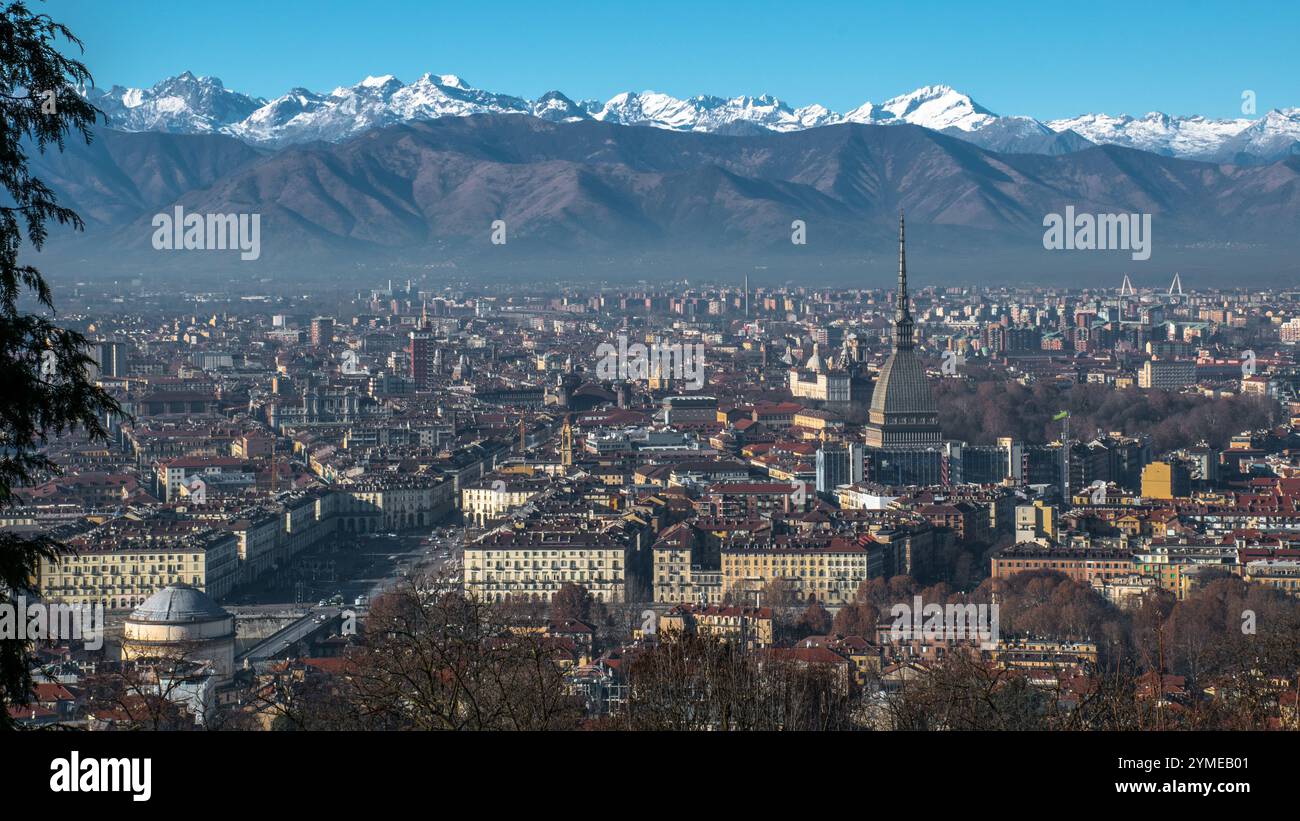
[
  {"x": 192, "y": 104},
  {"x": 271, "y": 121},
  {"x": 1276, "y": 134},
  {"x": 653, "y": 109},
  {"x": 939, "y": 107},
  {"x": 1192, "y": 137},
  {"x": 375, "y": 101},
  {"x": 556, "y": 108},
  {"x": 711, "y": 114},
  {"x": 183, "y": 104}
]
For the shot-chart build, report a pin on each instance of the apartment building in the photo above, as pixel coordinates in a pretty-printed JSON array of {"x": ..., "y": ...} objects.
[
  {"x": 828, "y": 570},
  {"x": 533, "y": 565},
  {"x": 489, "y": 499},
  {"x": 121, "y": 572}
]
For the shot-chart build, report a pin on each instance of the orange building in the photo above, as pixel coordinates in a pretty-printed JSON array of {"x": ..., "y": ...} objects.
[{"x": 1081, "y": 564}]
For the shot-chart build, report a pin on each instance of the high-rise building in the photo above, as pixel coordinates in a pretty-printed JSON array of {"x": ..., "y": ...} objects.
[
  {"x": 322, "y": 330},
  {"x": 423, "y": 356},
  {"x": 838, "y": 464},
  {"x": 111, "y": 356},
  {"x": 1166, "y": 374}
]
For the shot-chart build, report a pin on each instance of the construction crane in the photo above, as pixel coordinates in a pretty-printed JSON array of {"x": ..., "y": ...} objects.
[{"x": 1064, "y": 418}]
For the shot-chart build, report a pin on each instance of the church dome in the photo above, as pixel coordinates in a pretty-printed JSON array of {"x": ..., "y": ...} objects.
[
  {"x": 178, "y": 604},
  {"x": 183, "y": 622},
  {"x": 815, "y": 361}
]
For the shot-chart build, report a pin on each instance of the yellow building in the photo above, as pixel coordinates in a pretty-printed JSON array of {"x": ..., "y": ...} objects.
[
  {"x": 752, "y": 625},
  {"x": 830, "y": 573},
  {"x": 1043, "y": 654},
  {"x": 1279, "y": 574},
  {"x": 1176, "y": 578},
  {"x": 1037, "y": 522},
  {"x": 393, "y": 504},
  {"x": 124, "y": 576},
  {"x": 1166, "y": 480},
  {"x": 677, "y": 581}
]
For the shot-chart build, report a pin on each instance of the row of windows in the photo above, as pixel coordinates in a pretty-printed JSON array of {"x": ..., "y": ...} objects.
[
  {"x": 528, "y": 578},
  {"x": 481, "y": 555},
  {"x": 1069, "y": 565},
  {"x": 145, "y": 557},
  {"x": 802, "y": 562},
  {"x": 542, "y": 563},
  {"x": 133, "y": 570}
]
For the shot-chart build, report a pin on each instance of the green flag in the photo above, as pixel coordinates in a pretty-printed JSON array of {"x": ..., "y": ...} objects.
[{"x": 1062, "y": 415}]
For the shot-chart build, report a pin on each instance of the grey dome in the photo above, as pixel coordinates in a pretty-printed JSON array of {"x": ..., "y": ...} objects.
[
  {"x": 178, "y": 604},
  {"x": 903, "y": 387}
]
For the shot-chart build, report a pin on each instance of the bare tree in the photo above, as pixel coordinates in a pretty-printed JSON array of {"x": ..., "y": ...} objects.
[{"x": 433, "y": 658}]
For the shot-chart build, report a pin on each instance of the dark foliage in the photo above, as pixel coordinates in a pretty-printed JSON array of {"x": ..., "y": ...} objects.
[{"x": 46, "y": 390}]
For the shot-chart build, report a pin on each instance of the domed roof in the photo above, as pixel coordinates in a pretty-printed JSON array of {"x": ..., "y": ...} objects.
[
  {"x": 903, "y": 387},
  {"x": 815, "y": 361},
  {"x": 179, "y": 603}
]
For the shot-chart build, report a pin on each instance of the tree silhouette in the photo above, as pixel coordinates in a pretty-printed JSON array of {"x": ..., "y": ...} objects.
[
  {"x": 571, "y": 601},
  {"x": 46, "y": 391}
]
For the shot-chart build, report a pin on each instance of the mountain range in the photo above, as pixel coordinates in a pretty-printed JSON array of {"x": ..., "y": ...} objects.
[
  {"x": 589, "y": 197},
  {"x": 188, "y": 104}
]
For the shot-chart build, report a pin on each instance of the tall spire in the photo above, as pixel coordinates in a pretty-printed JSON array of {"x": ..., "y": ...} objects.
[{"x": 902, "y": 313}]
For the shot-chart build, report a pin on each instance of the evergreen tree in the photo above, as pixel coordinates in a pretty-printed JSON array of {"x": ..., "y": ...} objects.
[{"x": 46, "y": 390}]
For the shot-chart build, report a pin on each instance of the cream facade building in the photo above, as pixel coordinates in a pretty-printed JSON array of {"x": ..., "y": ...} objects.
[
  {"x": 532, "y": 566},
  {"x": 486, "y": 501},
  {"x": 831, "y": 573},
  {"x": 678, "y": 581},
  {"x": 126, "y": 576}
]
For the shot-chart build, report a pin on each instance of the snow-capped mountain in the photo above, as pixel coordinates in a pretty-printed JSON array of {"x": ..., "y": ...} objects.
[
  {"x": 1276, "y": 134},
  {"x": 189, "y": 104},
  {"x": 936, "y": 107},
  {"x": 1271, "y": 137},
  {"x": 181, "y": 105},
  {"x": 943, "y": 108},
  {"x": 556, "y": 108},
  {"x": 711, "y": 114},
  {"x": 1189, "y": 137},
  {"x": 375, "y": 101}
]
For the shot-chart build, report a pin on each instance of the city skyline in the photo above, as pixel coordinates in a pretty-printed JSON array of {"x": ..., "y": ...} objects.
[{"x": 509, "y": 399}]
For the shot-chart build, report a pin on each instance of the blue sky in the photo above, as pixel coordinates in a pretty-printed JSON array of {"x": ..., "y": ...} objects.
[{"x": 1046, "y": 59}]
